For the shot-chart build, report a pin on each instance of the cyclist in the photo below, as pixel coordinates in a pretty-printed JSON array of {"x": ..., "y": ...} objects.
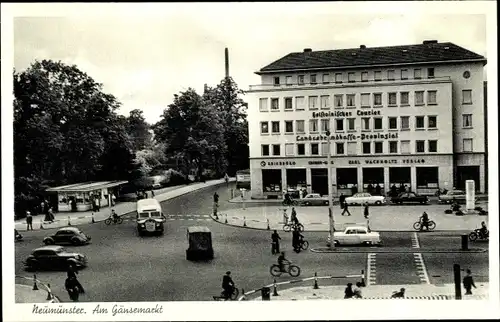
[
  {"x": 282, "y": 261},
  {"x": 288, "y": 199},
  {"x": 114, "y": 215},
  {"x": 299, "y": 240},
  {"x": 424, "y": 219},
  {"x": 293, "y": 217},
  {"x": 483, "y": 230},
  {"x": 227, "y": 285}
]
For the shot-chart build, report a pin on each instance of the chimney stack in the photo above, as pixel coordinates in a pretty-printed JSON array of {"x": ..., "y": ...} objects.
[{"x": 227, "y": 61}]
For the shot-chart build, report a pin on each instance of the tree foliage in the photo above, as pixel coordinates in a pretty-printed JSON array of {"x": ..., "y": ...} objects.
[
  {"x": 138, "y": 130},
  {"x": 65, "y": 130}
]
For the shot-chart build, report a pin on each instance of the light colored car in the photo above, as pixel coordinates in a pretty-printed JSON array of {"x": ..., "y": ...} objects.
[
  {"x": 314, "y": 199},
  {"x": 361, "y": 198},
  {"x": 453, "y": 195},
  {"x": 356, "y": 235}
]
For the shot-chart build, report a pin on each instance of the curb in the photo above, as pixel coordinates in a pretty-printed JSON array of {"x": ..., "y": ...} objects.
[{"x": 402, "y": 251}]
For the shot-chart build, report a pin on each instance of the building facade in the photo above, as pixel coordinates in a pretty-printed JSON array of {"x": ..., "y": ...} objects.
[{"x": 405, "y": 115}]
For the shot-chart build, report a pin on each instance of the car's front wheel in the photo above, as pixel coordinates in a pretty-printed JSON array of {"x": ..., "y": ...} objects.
[
  {"x": 378, "y": 202},
  {"x": 49, "y": 241}
]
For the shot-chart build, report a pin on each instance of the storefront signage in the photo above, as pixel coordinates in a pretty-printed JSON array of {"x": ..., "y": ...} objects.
[
  {"x": 319, "y": 162},
  {"x": 274, "y": 163},
  {"x": 346, "y": 114},
  {"x": 387, "y": 161},
  {"x": 348, "y": 137}
]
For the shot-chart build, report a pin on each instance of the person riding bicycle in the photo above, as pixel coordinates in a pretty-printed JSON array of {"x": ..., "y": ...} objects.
[
  {"x": 282, "y": 261},
  {"x": 424, "y": 219},
  {"x": 227, "y": 285},
  {"x": 114, "y": 215},
  {"x": 483, "y": 230}
]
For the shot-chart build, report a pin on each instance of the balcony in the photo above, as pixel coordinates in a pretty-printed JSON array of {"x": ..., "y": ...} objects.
[{"x": 345, "y": 84}]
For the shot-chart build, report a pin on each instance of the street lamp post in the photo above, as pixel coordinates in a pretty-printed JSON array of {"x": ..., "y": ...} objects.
[{"x": 331, "y": 221}]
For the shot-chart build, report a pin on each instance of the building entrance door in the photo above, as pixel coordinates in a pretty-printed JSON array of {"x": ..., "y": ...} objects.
[
  {"x": 465, "y": 173},
  {"x": 319, "y": 181}
]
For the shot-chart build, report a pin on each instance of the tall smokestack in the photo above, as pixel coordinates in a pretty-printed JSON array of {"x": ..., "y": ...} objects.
[{"x": 227, "y": 61}]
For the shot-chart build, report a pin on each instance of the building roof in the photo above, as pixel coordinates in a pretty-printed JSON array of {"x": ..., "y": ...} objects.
[
  {"x": 428, "y": 52},
  {"x": 87, "y": 186}
]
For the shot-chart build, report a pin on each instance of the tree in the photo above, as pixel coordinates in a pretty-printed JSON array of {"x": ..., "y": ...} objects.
[
  {"x": 225, "y": 99},
  {"x": 192, "y": 132},
  {"x": 138, "y": 130}
]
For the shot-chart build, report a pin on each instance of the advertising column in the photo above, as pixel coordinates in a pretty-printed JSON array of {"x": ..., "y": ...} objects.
[{"x": 470, "y": 195}]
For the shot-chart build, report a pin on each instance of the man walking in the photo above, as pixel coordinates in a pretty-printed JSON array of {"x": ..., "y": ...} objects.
[
  {"x": 468, "y": 282},
  {"x": 346, "y": 209},
  {"x": 342, "y": 200},
  {"x": 275, "y": 245},
  {"x": 29, "y": 220},
  {"x": 366, "y": 211}
]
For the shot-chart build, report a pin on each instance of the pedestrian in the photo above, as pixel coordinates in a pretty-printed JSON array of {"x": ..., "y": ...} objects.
[
  {"x": 226, "y": 179},
  {"x": 354, "y": 189},
  {"x": 293, "y": 217},
  {"x": 216, "y": 198},
  {"x": 346, "y": 209},
  {"x": 295, "y": 239},
  {"x": 152, "y": 193},
  {"x": 29, "y": 220},
  {"x": 370, "y": 188},
  {"x": 99, "y": 203},
  {"x": 51, "y": 215},
  {"x": 342, "y": 200},
  {"x": 42, "y": 207},
  {"x": 366, "y": 211},
  {"x": 348, "y": 293},
  {"x": 394, "y": 190},
  {"x": 468, "y": 282},
  {"x": 275, "y": 245},
  {"x": 357, "y": 291},
  {"x": 378, "y": 190}
]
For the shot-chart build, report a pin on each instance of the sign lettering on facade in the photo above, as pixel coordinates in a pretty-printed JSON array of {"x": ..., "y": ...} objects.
[
  {"x": 348, "y": 137},
  {"x": 350, "y": 162},
  {"x": 340, "y": 114}
]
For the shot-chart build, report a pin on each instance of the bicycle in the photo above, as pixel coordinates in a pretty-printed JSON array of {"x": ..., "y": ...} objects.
[
  {"x": 292, "y": 226},
  {"x": 303, "y": 244},
  {"x": 289, "y": 268},
  {"x": 430, "y": 225},
  {"x": 110, "y": 219},
  {"x": 232, "y": 297}
]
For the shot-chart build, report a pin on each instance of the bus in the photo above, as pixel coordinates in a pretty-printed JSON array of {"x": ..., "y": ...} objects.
[
  {"x": 150, "y": 217},
  {"x": 243, "y": 179}
]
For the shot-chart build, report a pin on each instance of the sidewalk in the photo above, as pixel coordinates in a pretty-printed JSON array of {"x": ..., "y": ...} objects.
[
  {"x": 382, "y": 218},
  {"x": 24, "y": 292},
  {"x": 375, "y": 292},
  {"x": 78, "y": 218}
]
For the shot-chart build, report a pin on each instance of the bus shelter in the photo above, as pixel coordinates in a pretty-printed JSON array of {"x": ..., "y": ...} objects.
[{"x": 82, "y": 196}]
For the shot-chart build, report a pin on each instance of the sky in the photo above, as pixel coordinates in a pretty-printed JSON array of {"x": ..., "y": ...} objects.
[{"x": 145, "y": 59}]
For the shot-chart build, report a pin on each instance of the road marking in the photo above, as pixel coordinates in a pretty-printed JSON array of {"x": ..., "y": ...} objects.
[
  {"x": 371, "y": 269},
  {"x": 414, "y": 241},
  {"x": 421, "y": 269}
]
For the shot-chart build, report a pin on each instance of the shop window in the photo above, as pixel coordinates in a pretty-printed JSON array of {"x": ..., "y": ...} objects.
[
  {"x": 364, "y": 76},
  {"x": 351, "y": 100},
  {"x": 300, "y": 80},
  {"x": 288, "y": 126},
  {"x": 404, "y": 98},
  {"x": 419, "y": 122},
  {"x": 288, "y": 103},
  {"x": 391, "y": 75},
  {"x": 275, "y": 104},
  {"x": 301, "y": 149},
  {"x": 300, "y": 128},
  {"x": 313, "y": 102},
  {"x": 467, "y": 120},
  {"x": 276, "y": 80},
  {"x": 466, "y": 96},
  {"x": 289, "y": 149},
  {"x": 314, "y": 149},
  {"x": 326, "y": 78},
  {"x": 300, "y": 103},
  {"x": 417, "y": 73},
  {"x": 430, "y": 72},
  {"x": 339, "y": 125},
  {"x": 351, "y": 124},
  {"x": 347, "y": 178},
  {"x": 351, "y": 77},
  {"x": 265, "y": 149},
  {"x": 393, "y": 99},
  {"x": 377, "y": 99},
  {"x": 264, "y": 127},
  {"x": 405, "y": 122},
  {"x": 271, "y": 180},
  {"x": 420, "y": 146},
  {"x": 377, "y": 123},
  {"x": 324, "y": 149},
  {"x": 467, "y": 145},
  {"x": 275, "y": 127},
  {"x": 352, "y": 148},
  {"x": 313, "y": 126},
  {"x": 325, "y": 102},
  {"x": 339, "y": 146},
  {"x": 405, "y": 147},
  {"x": 433, "y": 145},
  {"x": 365, "y": 100},
  {"x": 378, "y": 75},
  {"x": 366, "y": 147},
  {"x": 288, "y": 80},
  {"x": 432, "y": 122},
  {"x": 419, "y": 98},
  {"x": 339, "y": 101},
  {"x": 263, "y": 105},
  {"x": 338, "y": 77},
  {"x": 276, "y": 149},
  {"x": 393, "y": 146},
  {"x": 366, "y": 123},
  {"x": 427, "y": 177},
  {"x": 431, "y": 97},
  {"x": 393, "y": 123},
  {"x": 313, "y": 79},
  {"x": 325, "y": 125},
  {"x": 379, "y": 147},
  {"x": 404, "y": 74}
]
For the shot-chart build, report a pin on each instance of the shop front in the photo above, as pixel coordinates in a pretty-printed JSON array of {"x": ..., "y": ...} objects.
[
  {"x": 272, "y": 182},
  {"x": 296, "y": 181},
  {"x": 373, "y": 181},
  {"x": 347, "y": 181}
]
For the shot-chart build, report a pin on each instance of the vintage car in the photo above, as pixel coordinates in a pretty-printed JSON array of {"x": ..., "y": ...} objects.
[
  {"x": 361, "y": 198},
  {"x": 54, "y": 257},
  {"x": 356, "y": 235},
  {"x": 150, "y": 218},
  {"x": 200, "y": 243},
  {"x": 409, "y": 197},
  {"x": 67, "y": 235},
  {"x": 453, "y": 195},
  {"x": 313, "y": 199}
]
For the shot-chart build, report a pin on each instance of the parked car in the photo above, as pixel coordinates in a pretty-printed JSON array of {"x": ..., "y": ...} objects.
[
  {"x": 313, "y": 199},
  {"x": 410, "y": 197},
  {"x": 54, "y": 257},
  {"x": 67, "y": 235},
  {"x": 361, "y": 198},
  {"x": 453, "y": 195},
  {"x": 356, "y": 235}
]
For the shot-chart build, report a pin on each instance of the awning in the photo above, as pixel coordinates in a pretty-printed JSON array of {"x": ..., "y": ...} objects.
[{"x": 87, "y": 186}]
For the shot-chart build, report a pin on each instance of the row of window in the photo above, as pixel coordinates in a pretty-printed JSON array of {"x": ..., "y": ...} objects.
[
  {"x": 352, "y": 77},
  {"x": 351, "y": 148},
  {"x": 366, "y": 100},
  {"x": 350, "y": 124}
]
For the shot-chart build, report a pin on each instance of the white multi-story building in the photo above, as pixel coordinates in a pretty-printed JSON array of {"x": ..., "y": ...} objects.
[{"x": 405, "y": 115}]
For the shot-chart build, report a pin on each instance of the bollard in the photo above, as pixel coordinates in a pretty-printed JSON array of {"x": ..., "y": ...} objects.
[
  {"x": 93, "y": 220},
  {"x": 265, "y": 292},
  {"x": 49, "y": 295},
  {"x": 41, "y": 225},
  {"x": 69, "y": 222},
  {"x": 275, "y": 292},
  {"x": 363, "y": 284},
  {"x": 457, "y": 279},
  {"x": 35, "y": 287},
  {"x": 225, "y": 220},
  {"x": 465, "y": 242},
  {"x": 243, "y": 297},
  {"x": 244, "y": 221},
  {"x": 329, "y": 241},
  {"x": 315, "y": 281},
  {"x": 268, "y": 228}
]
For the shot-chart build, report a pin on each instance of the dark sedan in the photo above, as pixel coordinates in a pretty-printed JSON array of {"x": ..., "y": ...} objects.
[
  {"x": 67, "y": 235},
  {"x": 54, "y": 257},
  {"x": 409, "y": 197}
]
